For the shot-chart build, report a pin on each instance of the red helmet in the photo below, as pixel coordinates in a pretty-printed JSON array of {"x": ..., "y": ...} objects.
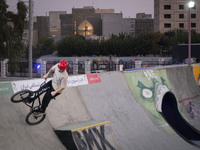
[{"x": 62, "y": 65}]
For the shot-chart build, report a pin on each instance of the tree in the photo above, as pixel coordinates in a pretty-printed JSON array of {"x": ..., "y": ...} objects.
[
  {"x": 4, "y": 28},
  {"x": 45, "y": 46},
  {"x": 73, "y": 45},
  {"x": 12, "y": 28}
]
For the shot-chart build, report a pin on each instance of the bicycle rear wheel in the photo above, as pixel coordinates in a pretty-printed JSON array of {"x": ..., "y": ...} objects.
[
  {"x": 31, "y": 119},
  {"x": 20, "y": 96}
]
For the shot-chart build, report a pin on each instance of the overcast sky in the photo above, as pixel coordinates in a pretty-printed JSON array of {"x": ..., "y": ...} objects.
[{"x": 129, "y": 8}]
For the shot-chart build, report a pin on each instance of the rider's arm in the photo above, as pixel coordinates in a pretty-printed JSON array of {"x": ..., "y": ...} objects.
[
  {"x": 47, "y": 74},
  {"x": 57, "y": 91}
]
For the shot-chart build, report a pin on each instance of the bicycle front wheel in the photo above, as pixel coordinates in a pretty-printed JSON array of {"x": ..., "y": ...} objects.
[
  {"x": 32, "y": 119},
  {"x": 20, "y": 96}
]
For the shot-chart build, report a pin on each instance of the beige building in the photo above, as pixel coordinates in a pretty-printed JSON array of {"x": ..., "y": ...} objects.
[
  {"x": 54, "y": 21},
  {"x": 173, "y": 14}
]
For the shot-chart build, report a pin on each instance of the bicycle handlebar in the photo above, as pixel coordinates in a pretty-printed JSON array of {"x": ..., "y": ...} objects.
[{"x": 43, "y": 83}]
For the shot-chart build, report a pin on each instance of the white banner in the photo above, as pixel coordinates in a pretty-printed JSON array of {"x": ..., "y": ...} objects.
[
  {"x": 34, "y": 84},
  {"x": 77, "y": 80}
]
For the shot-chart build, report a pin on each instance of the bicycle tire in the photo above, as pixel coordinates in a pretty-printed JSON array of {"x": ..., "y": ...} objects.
[
  {"x": 20, "y": 96},
  {"x": 33, "y": 120}
]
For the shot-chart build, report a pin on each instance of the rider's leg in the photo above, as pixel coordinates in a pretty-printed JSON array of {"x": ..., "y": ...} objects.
[
  {"x": 42, "y": 89},
  {"x": 46, "y": 100}
]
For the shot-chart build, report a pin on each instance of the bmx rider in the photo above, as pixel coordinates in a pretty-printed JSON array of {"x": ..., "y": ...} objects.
[{"x": 56, "y": 85}]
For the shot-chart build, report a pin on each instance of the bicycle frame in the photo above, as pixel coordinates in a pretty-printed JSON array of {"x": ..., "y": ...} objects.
[
  {"x": 32, "y": 104},
  {"x": 37, "y": 93}
]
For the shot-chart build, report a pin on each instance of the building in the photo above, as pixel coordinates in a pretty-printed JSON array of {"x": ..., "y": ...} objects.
[
  {"x": 40, "y": 29},
  {"x": 78, "y": 16},
  {"x": 41, "y": 25},
  {"x": 54, "y": 23},
  {"x": 90, "y": 22},
  {"x": 143, "y": 23},
  {"x": 104, "y": 22},
  {"x": 113, "y": 23},
  {"x": 173, "y": 14}
]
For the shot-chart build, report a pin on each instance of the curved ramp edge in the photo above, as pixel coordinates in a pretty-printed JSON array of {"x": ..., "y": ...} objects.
[
  {"x": 172, "y": 115},
  {"x": 88, "y": 135}
]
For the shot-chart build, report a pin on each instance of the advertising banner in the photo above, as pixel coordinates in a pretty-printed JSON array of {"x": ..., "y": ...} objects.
[
  {"x": 5, "y": 88},
  {"x": 77, "y": 80},
  {"x": 34, "y": 84},
  {"x": 93, "y": 78}
]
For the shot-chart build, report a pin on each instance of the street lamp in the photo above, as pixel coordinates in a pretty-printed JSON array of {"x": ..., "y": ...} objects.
[
  {"x": 30, "y": 38},
  {"x": 190, "y": 5}
]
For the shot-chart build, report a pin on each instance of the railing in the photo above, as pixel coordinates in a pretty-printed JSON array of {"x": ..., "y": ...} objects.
[
  {"x": 20, "y": 68},
  {"x": 81, "y": 67}
]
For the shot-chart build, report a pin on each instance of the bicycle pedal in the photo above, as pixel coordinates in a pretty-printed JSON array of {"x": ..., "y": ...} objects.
[{"x": 38, "y": 114}]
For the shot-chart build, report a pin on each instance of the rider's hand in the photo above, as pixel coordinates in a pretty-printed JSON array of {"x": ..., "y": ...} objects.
[
  {"x": 45, "y": 76},
  {"x": 53, "y": 93}
]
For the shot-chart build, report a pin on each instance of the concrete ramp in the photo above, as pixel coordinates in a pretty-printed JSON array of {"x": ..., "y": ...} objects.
[
  {"x": 15, "y": 134},
  {"x": 144, "y": 108},
  {"x": 88, "y": 135},
  {"x": 187, "y": 93},
  {"x": 128, "y": 100},
  {"x": 68, "y": 108}
]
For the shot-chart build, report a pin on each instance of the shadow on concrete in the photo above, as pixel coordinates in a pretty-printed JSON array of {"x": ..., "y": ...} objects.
[{"x": 176, "y": 121}]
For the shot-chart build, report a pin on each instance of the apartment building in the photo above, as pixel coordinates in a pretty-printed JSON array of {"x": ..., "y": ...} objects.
[
  {"x": 174, "y": 14},
  {"x": 143, "y": 23}
]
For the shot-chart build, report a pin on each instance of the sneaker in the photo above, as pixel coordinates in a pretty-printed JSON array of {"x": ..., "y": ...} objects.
[{"x": 38, "y": 112}]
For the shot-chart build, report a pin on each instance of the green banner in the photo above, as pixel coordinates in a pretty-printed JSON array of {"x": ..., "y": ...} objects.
[{"x": 5, "y": 88}]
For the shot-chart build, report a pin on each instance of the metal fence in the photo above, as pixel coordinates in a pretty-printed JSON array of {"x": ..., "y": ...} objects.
[
  {"x": 21, "y": 68},
  {"x": 152, "y": 64},
  {"x": 81, "y": 67}
]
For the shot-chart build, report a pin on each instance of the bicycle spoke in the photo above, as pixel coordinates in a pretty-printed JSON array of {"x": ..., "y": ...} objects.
[
  {"x": 20, "y": 96},
  {"x": 32, "y": 119}
]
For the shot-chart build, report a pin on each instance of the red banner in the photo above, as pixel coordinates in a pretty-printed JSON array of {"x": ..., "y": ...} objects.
[{"x": 93, "y": 78}]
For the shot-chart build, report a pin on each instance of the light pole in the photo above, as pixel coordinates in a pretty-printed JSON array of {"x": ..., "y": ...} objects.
[
  {"x": 190, "y": 5},
  {"x": 30, "y": 37}
]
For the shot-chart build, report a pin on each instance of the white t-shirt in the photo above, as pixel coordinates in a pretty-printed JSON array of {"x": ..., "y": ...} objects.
[{"x": 59, "y": 78}]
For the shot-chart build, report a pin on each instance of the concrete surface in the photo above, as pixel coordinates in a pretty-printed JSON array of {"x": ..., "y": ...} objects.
[
  {"x": 128, "y": 99},
  {"x": 15, "y": 134}
]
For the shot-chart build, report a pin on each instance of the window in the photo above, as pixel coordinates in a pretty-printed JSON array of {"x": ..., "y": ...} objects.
[
  {"x": 167, "y": 25},
  {"x": 181, "y": 25},
  {"x": 167, "y": 6},
  {"x": 193, "y": 15},
  {"x": 181, "y": 16},
  {"x": 167, "y": 15},
  {"x": 181, "y": 6},
  {"x": 193, "y": 25}
]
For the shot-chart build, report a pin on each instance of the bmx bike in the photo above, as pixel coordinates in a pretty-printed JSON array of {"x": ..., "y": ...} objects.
[{"x": 33, "y": 117}]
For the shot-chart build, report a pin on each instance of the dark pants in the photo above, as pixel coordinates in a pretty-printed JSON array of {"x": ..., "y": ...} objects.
[{"x": 47, "y": 97}]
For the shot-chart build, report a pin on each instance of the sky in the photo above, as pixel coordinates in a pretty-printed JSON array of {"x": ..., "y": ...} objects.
[{"x": 129, "y": 8}]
